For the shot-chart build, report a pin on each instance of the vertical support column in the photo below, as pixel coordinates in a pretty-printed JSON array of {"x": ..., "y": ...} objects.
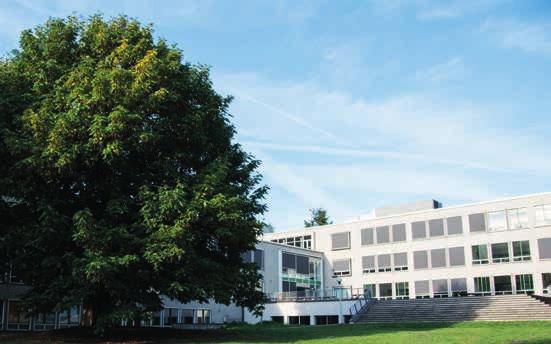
[
  {"x": 312, "y": 319},
  {"x": 162, "y": 318},
  {"x": 285, "y": 320},
  {"x": 279, "y": 271}
]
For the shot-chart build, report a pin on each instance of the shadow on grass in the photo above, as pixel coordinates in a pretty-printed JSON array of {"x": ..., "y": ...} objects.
[{"x": 262, "y": 333}]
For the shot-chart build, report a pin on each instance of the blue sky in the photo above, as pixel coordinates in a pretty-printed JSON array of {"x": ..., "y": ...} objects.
[{"x": 353, "y": 105}]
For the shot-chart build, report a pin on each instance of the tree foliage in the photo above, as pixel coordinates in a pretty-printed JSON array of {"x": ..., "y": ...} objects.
[
  {"x": 120, "y": 179},
  {"x": 318, "y": 217}
]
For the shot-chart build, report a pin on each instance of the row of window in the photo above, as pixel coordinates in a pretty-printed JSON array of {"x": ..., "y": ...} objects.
[
  {"x": 302, "y": 241},
  {"x": 17, "y": 318},
  {"x": 481, "y": 222},
  {"x": 446, "y": 257},
  {"x": 501, "y": 285},
  {"x": 254, "y": 256}
]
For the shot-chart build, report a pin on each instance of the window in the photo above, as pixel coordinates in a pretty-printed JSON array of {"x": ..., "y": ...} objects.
[
  {"x": 340, "y": 241},
  {"x": 546, "y": 279},
  {"x": 422, "y": 289},
  {"x": 544, "y": 246},
  {"x": 383, "y": 262},
  {"x": 497, "y": 221},
  {"x": 482, "y": 286},
  {"x": 418, "y": 230},
  {"x": 521, "y": 251},
  {"x": 399, "y": 232},
  {"x": 326, "y": 319},
  {"x": 341, "y": 267},
  {"x": 299, "y": 320},
  {"x": 524, "y": 284},
  {"x": 502, "y": 285},
  {"x": 480, "y": 254},
  {"x": 420, "y": 260},
  {"x": 402, "y": 290},
  {"x": 368, "y": 264},
  {"x": 247, "y": 257},
  {"x": 518, "y": 218},
  {"x": 477, "y": 223},
  {"x": 436, "y": 227},
  {"x": 303, "y": 266},
  {"x": 43, "y": 321},
  {"x": 17, "y": 316},
  {"x": 259, "y": 258},
  {"x": 307, "y": 242},
  {"x": 367, "y": 236},
  {"x": 455, "y": 225},
  {"x": 289, "y": 262},
  {"x": 457, "y": 256},
  {"x": 500, "y": 252},
  {"x": 385, "y": 291},
  {"x": 370, "y": 290},
  {"x": 543, "y": 215},
  {"x": 383, "y": 235},
  {"x": 440, "y": 288},
  {"x": 400, "y": 261},
  {"x": 170, "y": 316},
  {"x": 203, "y": 316},
  {"x": 459, "y": 286},
  {"x": 187, "y": 316},
  {"x": 277, "y": 319},
  {"x": 438, "y": 258}
]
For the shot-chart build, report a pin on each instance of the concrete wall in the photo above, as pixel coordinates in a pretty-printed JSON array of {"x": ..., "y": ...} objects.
[{"x": 311, "y": 309}]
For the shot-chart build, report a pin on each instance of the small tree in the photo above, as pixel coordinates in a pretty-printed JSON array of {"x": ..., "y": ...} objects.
[
  {"x": 120, "y": 178},
  {"x": 318, "y": 217}
]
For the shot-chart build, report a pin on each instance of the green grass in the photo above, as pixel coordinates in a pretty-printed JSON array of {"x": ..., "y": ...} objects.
[{"x": 467, "y": 332}]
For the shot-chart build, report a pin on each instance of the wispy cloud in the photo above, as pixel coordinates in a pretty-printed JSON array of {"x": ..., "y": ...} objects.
[
  {"x": 532, "y": 37},
  {"x": 452, "y": 70}
]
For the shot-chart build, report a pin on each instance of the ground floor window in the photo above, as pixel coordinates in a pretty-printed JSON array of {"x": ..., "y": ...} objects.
[
  {"x": 385, "y": 291},
  {"x": 277, "y": 319},
  {"x": 440, "y": 288},
  {"x": 326, "y": 319},
  {"x": 422, "y": 289},
  {"x": 69, "y": 317},
  {"x": 546, "y": 279},
  {"x": 502, "y": 285},
  {"x": 203, "y": 316},
  {"x": 370, "y": 290},
  {"x": 299, "y": 320},
  {"x": 187, "y": 316},
  {"x": 459, "y": 286},
  {"x": 482, "y": 286},
  {"x": 402, "y": 290},
  {"x": 170, "y": 316},
  {"x": 45, "y": 321},
  {"x": 17, "y": 316},
  {"x": 524, "y": 283}
]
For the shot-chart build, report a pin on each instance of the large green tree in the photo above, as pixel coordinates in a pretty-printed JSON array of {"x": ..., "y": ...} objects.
[{"x": 120, "y": 178}]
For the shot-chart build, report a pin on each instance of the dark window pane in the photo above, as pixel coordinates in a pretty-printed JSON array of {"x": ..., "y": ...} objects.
[
  {"x": 455, "y": 225},
  {"x": 544, "y": 246},
  {"x": 477, "y": 223}
]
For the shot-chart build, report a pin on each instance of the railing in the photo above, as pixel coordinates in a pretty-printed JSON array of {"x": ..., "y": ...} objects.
[
  {"x": 332, "y": 294},
  {"x": 360, "y": 306}
]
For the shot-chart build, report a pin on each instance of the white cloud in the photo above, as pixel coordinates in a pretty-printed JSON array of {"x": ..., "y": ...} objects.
[
  {"x": 452, "y": 70},
  {"x": 514, "y": 34}
]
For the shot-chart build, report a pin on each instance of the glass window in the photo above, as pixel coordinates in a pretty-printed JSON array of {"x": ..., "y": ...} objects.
[
  {"x": 500, "y": 252},
  {"x": 340, "y": 241},
  {"x": 289, "y": 262},
  {"x": 187, "y": 316},
  {"x": 455, "y": 225},
  {"x": 367, "y": 236},
  {"x": 422, "y": 289},
  {"x": 546, "y": 280},
  {"x": 440, "y": 287},
  {"x": 247, "y": 257},
  {"x": 259, "y": 258},
  {"x": 385, "y": 290},
  {"x": 521, "y": 250},
  {"x": 518, "y": 218},
  {"x": 438, "y": 258},
  {"x": 459, "y": 286},
  {"x": 399, "y": 232},
  {"x": 400, "y": 261},
  {"x": 524, "y": 283},
  {"x": 482, "y": 285},
  {"x": 436, "y": 227},
  {"x": 17, "y": 316},
  {"x": 383, "y": 235},
  {"x": 368, "y": 264},
  {"x": 544, "y": 246},
  {"x": 480, "y": 254},
  {"x": 203, "y": 316},
  {"x": 497, "y": 221},
  {"x": 402, "y": 290},
  {"x": 383, "y": 262},
  {"x": 457, "y": 256},
  {"x": 420, "y": 260},
  {"x": 370, "y": 290},
  {"x": 342, "y": 267},
  {"x": 543, "y": 215},
  {"x": 502, "y": 285},
  {"x": 477, "y": 223},
  {"x": 418, "y": 230},
  {"x": 170, "y": 316}
]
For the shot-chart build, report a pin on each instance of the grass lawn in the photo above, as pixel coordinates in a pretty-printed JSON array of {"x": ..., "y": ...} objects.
[{"x": 467, "y": 332}]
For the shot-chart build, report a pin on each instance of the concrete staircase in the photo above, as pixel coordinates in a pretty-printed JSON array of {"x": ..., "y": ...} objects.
[{"x": 507, "y": 307}]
